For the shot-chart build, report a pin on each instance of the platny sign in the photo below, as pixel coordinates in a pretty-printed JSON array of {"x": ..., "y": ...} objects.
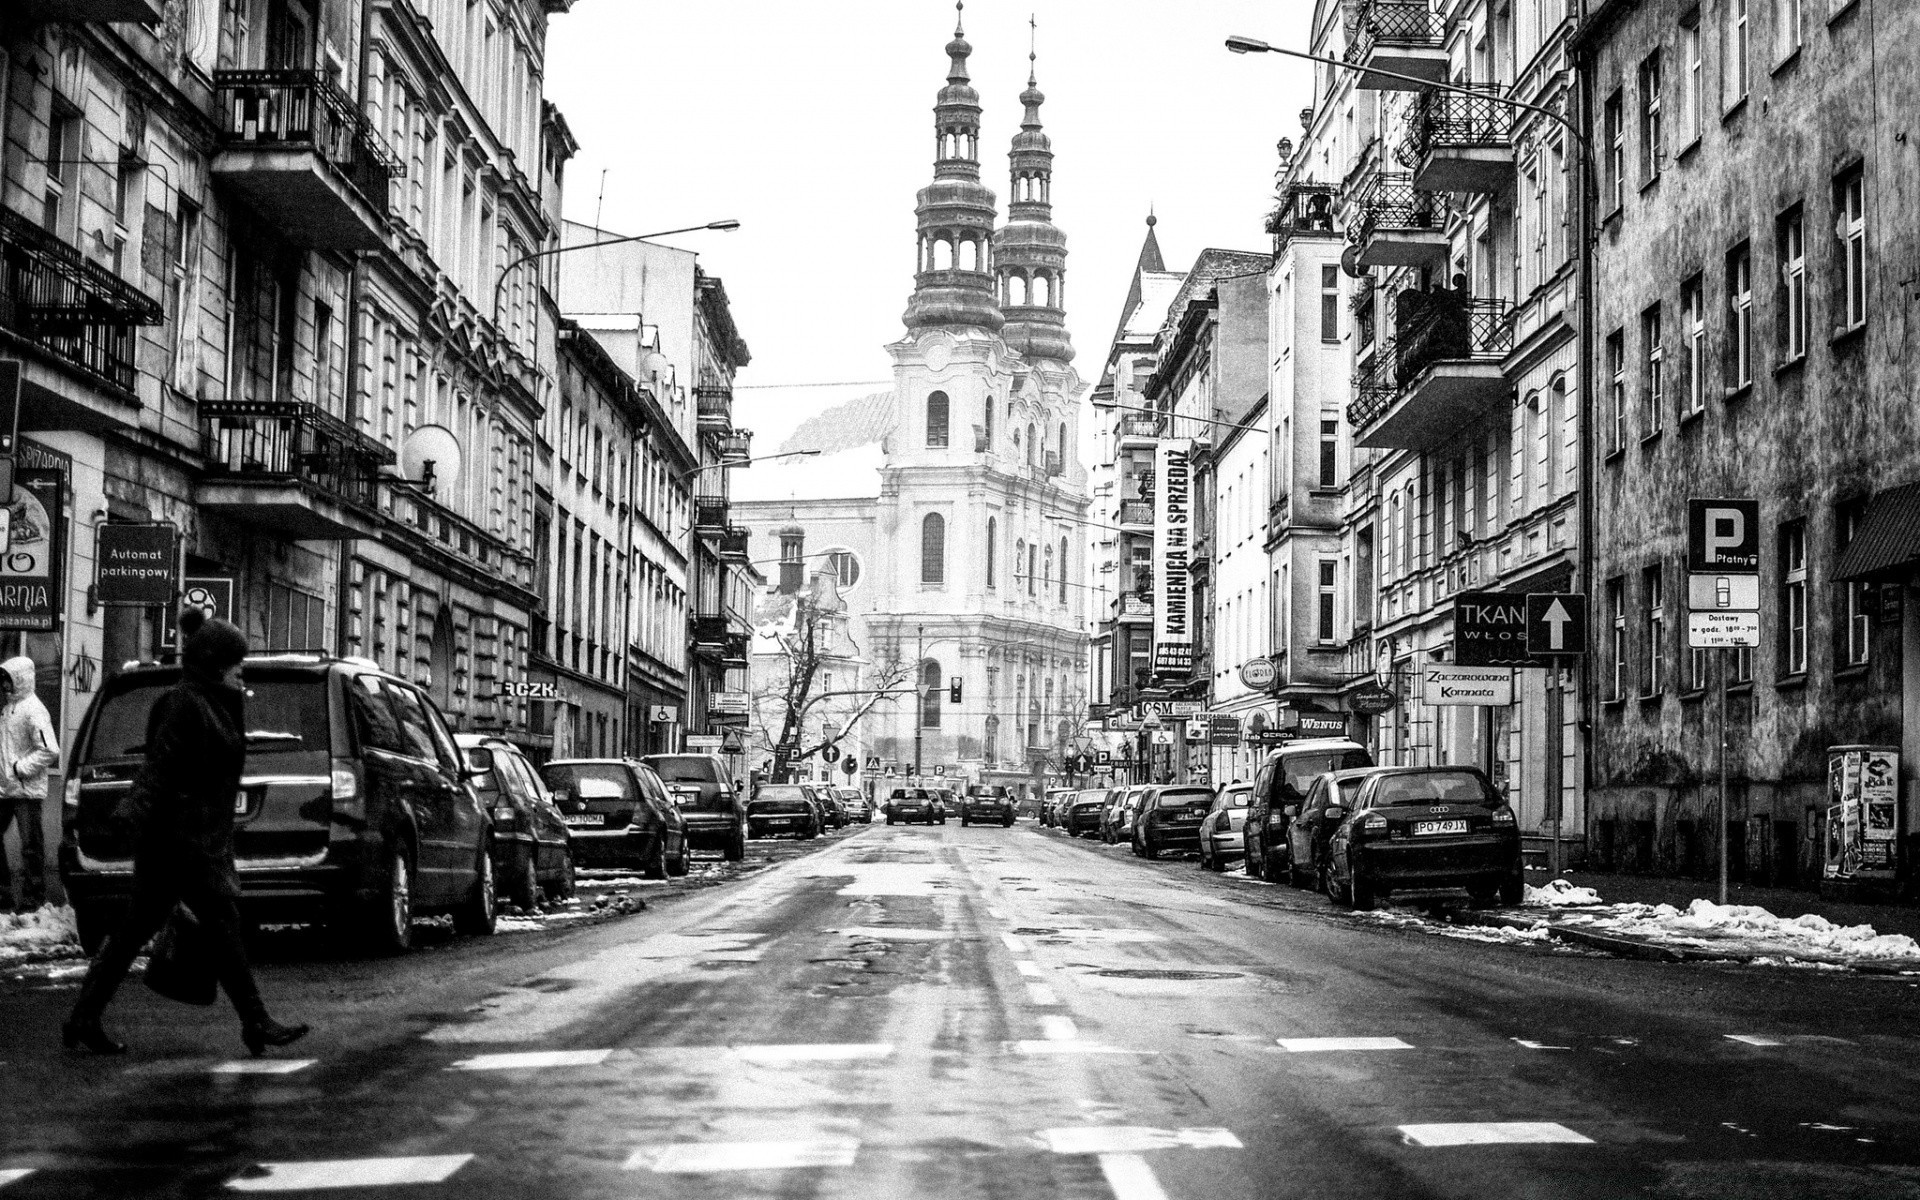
[
  {"x": 1172, "y": 553},
  {"x": 1490, "y": 686}
]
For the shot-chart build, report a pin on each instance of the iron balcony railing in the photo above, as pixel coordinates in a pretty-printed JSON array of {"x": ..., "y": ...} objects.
[
  {"x": 82, "y": 314},
  {"x": 1445, "y": 325},
  {"x": 713, "y": 403},
  {"x": 1374, "y": 389},
  {"x": 1456, "y": 121},
  {"x": 1136, "y": 512},
  {"x": 1392, "y": 202},
  {"x": 708, "y": 630},
  {"x": 734, "y": 545},
  {"x": 1303, "y": 208},
  {"x": 296, "y": 441},
  {"x": 1140, "y": 426},
  {"x": 282, "y": 107},
  {"x": 710, "y": 514},
  {"x": 1400, "y": 23}
]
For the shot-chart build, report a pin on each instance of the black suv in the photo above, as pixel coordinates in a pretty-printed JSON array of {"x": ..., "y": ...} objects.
[
  {"x": 1169, "y": 819},
  {"x": 709, "y": 799},
  {"x": 618, "y": 812},
  {"x": 987, "y": 803},
  {"x": 354, "y": 808}
]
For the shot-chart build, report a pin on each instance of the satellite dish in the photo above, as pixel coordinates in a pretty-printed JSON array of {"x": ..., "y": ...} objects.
[
  {"x": 1350, "y": 262},
  {"x": 430, "y": 456}
]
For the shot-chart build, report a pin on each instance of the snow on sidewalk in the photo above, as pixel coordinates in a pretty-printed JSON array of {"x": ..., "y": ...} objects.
[
  {"x": 1748, "y": 930},
  {"x": 45, "y": 934}
]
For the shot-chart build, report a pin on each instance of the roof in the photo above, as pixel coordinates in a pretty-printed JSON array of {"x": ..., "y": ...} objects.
[
  {"x": 860, "y": 422},
  {"x": 1210, "y": 267},
  {"x": 1888, "y": 542}
]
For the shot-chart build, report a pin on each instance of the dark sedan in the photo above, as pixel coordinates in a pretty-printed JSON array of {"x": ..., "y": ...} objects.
[
  {"x": 911, "y": 804},
  {"x": 1426, "y": 832}
]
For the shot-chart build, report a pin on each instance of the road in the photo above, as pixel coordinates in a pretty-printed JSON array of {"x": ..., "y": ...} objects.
[{"x": 948, "y": 1012}]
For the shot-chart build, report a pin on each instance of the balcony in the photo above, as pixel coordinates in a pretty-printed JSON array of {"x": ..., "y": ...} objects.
[
  {"x": 1305, "y": 210},
  {"x": 736, "y": 447},
  {"x": 734, "y": 545},
  {"x": 708, "y": 632},
  {"x": 714, "y": 407},
  {"x": 1461, "y": 143},
  {"x": 295, "y": 147},
  {"x": 1136, "y": 516},
  {"x": 1133, "y": 610},
  {"x": 1139, "y": 430},
  {"x": 290, "y": 468},
  {"x": 1402, "y": 36},
  {"x": 1439, "y": 375},
  {"x": 710, "y": 515},
  {"x": 76, "y": 312},
  {"x": 145, "y": 12},
  {"x": 1400, "y": 225}
]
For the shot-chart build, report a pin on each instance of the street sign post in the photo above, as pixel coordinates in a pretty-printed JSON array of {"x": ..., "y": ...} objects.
[
  {"x": 829, "y": 754},
  {"x": 1723, "y": 594},
  {"x": 1723, "y": 630}
]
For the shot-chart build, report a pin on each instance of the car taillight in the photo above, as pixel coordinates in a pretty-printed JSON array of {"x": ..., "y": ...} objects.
[
  {"x": 349, "y": 802},
  {"x": 1375, "y": 824},
  {"x": 1503, "y": 816},
  {"x": 71, "y": 795}
]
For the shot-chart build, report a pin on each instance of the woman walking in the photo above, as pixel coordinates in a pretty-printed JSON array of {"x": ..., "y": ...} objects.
[{"x": 181, "y": 809}]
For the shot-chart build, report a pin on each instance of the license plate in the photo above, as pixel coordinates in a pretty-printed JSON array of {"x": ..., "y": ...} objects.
[
  {"x": 781, "y": 821},
  {"x": 587, "y": 821},
  {"x": 240, "y": 805},
  {"x": 1425, "y": 827}
]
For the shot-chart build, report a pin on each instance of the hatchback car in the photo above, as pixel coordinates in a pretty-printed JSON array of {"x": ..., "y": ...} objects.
[
  {"x": 709, "y": 799},
  {"x": 1080, "y": 813},
  {"x": 1281, "y": 783},
  {"x": 355, "y": 805},
  {"x": 532, "y": 848},
  {"x": 619, "y": 813},
  {"x": 945, "y": 804},
  {"x": 1168, "y": 818},
  {"x": 987, "y": 804},
  {"x": 783, "y": 810},
  {"x": 1310, "y": 825},
  {"x": 1222, "y": 833},
  {"x": 856, "y": 804},
  {"x": 1116, "y": 822},
  {"x": 906, "y": 804},
  {"x": 1425, "y": 831}
]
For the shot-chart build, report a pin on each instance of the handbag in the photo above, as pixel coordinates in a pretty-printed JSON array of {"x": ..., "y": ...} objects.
[{"x": 180, "y": 963}]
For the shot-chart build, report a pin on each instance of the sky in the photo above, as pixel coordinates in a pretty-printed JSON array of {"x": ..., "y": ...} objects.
[{"x": 812, "y": 124}]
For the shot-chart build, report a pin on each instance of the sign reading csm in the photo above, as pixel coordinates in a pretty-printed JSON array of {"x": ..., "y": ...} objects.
[{"x": 1172, "y": 553}]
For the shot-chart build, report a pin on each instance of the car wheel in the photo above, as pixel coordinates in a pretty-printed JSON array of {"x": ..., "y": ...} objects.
[
  {"x": 679, "y": 863},
  {"x": 93, "y": 925},
  {"x": 389, "y": 915},
  {"x": 1513, "y": 889},
  {"x": 1359, "y": 892},
  {"x": 523, "y": 887},
  {"x": 964, "y": 822},
  {"x": 1149, "y": 849},
  {"x": 478, "y": 914},
  {"x": 1292, "y": 872},
  {"x": 1323, "y": 883},
  {"x": 1206, "y": 861},
  {"x": 568, "y": 884},
  {"x": 736, "y": 848},
  {"x": 889, "y": 820},
  {"x": 654, "y": 866}
]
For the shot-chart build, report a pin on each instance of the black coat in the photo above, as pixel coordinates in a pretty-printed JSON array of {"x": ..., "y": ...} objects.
[{"x": 181, "y": 802}]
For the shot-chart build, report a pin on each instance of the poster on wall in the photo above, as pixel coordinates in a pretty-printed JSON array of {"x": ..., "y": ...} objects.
[
  {"x": 1863, "y": 814},
  {"x": 30, "y": 569},
  {"x": 1172, "y": 554}
]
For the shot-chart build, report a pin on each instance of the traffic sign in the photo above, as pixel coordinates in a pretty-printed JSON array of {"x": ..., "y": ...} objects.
[
  {"x": 1721, "y": 591},
  {"x": 1490, "y": 629},
  {"x": 1556, "y": 623},
  {"x": 1723, "y": 537},
  {"x": 1710, "y": 629},
  {"x": 850, "y": 766},
  {"x": 1258, "y": 673},
  {"x": 873, "y": 762},
  {"x": 940, "y": 769},
  {"x": 829, "y": 754}
]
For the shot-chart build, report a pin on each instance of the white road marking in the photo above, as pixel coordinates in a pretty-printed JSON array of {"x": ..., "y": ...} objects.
[
  {"x": 702, "y": 1158},
  {"x": 347, "y": 1173},
  {"x": 1044, "y": 1047},
  {"x": 263, "y": 1066},
  {"x": 996, "y": 914},
  {"x": 1754, "y": 1039},
  {"x": 14, "y": 1174},
  {"x": 1104, "y": 935},
  {"x": 1492, "y": 1133},
  {"x": 824, "y": 1052},
  {"x": 532, "y": 1059},
  {"x": 1130, "y": 1178},
  {"x": 1013, "y": 943},
  {"x": 1319, "y": 1044},
  {"x": 1539, "y": 1045},
  {"x": 1040, "y": 993},
  {"x": 894, "y": 933},
  {"x": 1133, "y": 1139},
  {"x": 1029, "y": 968},
  {"x": 1059, "y": 1029}
]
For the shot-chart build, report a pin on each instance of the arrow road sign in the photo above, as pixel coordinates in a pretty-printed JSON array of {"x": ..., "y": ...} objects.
[{"x": 1556, "y": 623}]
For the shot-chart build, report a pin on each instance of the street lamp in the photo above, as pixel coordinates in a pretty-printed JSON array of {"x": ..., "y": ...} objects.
[
  {"x": 741, "y": 462},
  {"x": 499, "y": 287}
]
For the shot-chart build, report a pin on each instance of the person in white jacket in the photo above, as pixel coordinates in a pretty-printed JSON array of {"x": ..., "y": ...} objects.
[{"x": 29, "y": 749}]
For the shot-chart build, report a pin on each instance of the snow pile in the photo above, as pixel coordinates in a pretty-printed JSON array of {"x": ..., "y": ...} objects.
[
  {"x": 1750, "y": 927},
  {"x": 46, "y": 933},
  {"x": 1558, "y": 893}
]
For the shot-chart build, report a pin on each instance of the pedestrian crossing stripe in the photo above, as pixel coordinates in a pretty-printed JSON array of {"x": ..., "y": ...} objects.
[
  {"x": 13, "y": 1174},
  {"x": 532, "y": 1060},
  {"x": 263, "y": 1066},
  {"x": 1754, "y": 1039},
  {"x": 1492, "y": 1133},
  {"x": 347, "y": 1173},
  {"x": 1315, "y": 1045},
  {"x": 705, "y": 1158}
]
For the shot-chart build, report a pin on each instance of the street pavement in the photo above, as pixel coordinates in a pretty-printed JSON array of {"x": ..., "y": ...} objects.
[{"x": 982, "y": 1012}]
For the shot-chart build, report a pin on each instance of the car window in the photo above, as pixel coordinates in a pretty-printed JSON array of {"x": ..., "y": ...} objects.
[
  {"x": 374, "y": 722},
  {"x": 525, "y": 783},
  {"x": 1461, "y": 787},
  {"x": 443, "y": 743},
  {"x": 685, "y": 768},
  {"x": 416, "y": 737},
  {"x": 590, "y": 780}
]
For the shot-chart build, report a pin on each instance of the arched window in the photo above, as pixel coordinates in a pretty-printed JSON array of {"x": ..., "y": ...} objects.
[
  {"x": 1016, "y": 443},
  {"x": 1019, "y": 560},
  {"x": 1040, "y": 289},
  {"x": 937, "y": 421},
  {"x": 1016, "y": 289},
  {"x": 969, "y": 255},
  {"x": 933, "y": 548},
  {"x": 988, "y": 412},
  {"x": 930, "y": 697},
  {"x": 1063, "y": 571},
  {"x": 993, "y": 532},
  {"x": 942, "y": 254},
  {"x": 1033, "y": 562},
  {"x": 1063, "y": 445},
  {"x": 1033, "y": 445},
  {"x": 1046, "y": 569}
]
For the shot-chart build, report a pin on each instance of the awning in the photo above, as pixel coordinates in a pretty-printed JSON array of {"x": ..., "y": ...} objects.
[{"x": 1888, "y": 541}]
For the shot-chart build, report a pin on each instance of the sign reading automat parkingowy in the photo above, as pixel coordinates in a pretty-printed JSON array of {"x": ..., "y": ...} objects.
[{"x": 1172, "y": 552}]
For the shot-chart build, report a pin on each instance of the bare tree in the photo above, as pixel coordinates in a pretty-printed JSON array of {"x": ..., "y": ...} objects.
[{"x": 813, "y": 643}]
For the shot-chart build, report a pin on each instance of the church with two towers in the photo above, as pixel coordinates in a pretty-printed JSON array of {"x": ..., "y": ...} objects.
[{"x": 949, "y": 513}]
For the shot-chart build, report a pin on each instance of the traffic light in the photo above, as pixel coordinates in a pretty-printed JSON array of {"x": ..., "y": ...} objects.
[{"x": 953, "y": 690}]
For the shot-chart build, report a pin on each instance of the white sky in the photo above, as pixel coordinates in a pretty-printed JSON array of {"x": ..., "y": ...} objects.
[{"x": 812, "y": 124}]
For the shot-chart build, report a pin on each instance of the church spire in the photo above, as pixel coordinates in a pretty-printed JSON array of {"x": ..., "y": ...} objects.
[
  {"x": 953, "y": 280},
  {"x": 1031, "y": 251}
]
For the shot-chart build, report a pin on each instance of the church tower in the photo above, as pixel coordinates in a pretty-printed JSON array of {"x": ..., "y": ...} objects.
[
  {"x": 953, "y": 277},
  {"x": 1030, "y": 253}
]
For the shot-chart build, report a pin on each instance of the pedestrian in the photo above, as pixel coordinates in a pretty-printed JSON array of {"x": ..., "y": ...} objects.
[
  {"x": 28, "y": 750},
  {"x": 181, "y": 812}
]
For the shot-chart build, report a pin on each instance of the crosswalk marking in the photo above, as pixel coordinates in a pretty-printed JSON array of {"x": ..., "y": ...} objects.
[
  {"x": 347, "y": 1173},
  {"x": 1028, "y": 968},
  {"x": 1130, "y": 1178},
  {"x": 532, "y": 1060},
  {"x": 1492, "y": 1133},
  {"x": 1059, "y": 1029},
  {"x": 1051, "y": 1047},
  {"x": 263, "y": 1066},
  {"x": 817, "y": 1053},
  {"x": 1539, "y": 1045},
  {"x": 1754, "y": 1039},
  {"x": 1017, "y": 945},
  {"x": 14, "y": 1174},
  {"x": 703, "y": 1158},
  {"x": 1316, "y": 1045},
  {"x": 1040, "y": 993}
]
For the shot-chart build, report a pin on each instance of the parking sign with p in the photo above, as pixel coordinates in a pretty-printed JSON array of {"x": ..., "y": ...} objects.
[{"x": 1723, "y": 537}]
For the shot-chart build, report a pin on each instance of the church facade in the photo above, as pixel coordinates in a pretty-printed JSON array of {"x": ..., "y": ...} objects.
[{"x": 951, "y": 509}]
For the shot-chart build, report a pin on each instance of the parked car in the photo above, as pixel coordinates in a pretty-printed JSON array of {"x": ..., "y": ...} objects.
[
  {"x": 619, "y": 813},
  {"x": 1082, "y": 811},
  {"x": 1052, "y": 802},
  {"x": 856, "y": 803},
  {"x": 710, "y": 800},
  {"x": 907, "y": 804},
  {"x": 987, "y": 804},
  {"x": 1116, "y": 824},
  {"x": 833, "y": 809},
  {"x": 1423, "y": 831},
  {"x": 782, "y": 810},
  {"x": 532, "y": 847},
  {"x": 945, "y": 804},
  {"x": 1222, "y": 833},
  {"x": 1281, "y": 783},
  {"x": 355, "y": 806},
  {"x": 1310, "y": 824},
  {"x": 1168, "y": 818}
]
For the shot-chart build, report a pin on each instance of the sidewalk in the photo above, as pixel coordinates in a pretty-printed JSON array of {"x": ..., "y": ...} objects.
[{"x": 1781, "y": 902}]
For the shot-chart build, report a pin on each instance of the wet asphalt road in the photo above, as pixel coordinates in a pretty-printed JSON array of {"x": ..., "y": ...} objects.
[{"x": 949, "y": 1012}]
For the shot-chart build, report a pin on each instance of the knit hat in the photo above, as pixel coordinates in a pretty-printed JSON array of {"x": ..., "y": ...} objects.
[{"x": 208, "y": 644}]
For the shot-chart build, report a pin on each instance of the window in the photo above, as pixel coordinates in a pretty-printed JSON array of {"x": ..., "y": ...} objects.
[
  {"x": 845, "y": 567},
  {"x": 1617, "y": 637},
  {"x": 1614, "y": 180},
  {"x": 1693, "y": 362},
  {"x": 1740, "y": 667},
  {"x": 931, "y": 695},
  {"x": 933, "y": 549},
  {"x": 993, "y": 533},
  {"x": 1033, "y": 569},
  {"x": 1329, "y": 302},
  {"x": 1790, "y": 244},
  {"x": 1855, "y": 623},
  {"x": 1019, "y": 561},
  {"x": 937, "y": 421},
  {"x": 1654, "y": 630},
  {"x": 987, "y": 414},
  {"x": 1692, "y": 80},
  {"x": 1740, "y": 317},
  {"x": 1850, "y": 226},
  {"x": 1653, "y": 391},
  {"x": 56, "y": 206},
  {"x": 1786, "y": 29},
  {"x": 1733, "y": 62},
  {"x": 1696, "y": 680},
  {"x": 1653, "y": 119},
  {"x": 1617, "y": 391},
  {"x": 1323, "y": 609},
  {"x": 1329, "y": 453},
  {"x": 1063, "y": 571},
  {"x": 1793, "y": 598}
]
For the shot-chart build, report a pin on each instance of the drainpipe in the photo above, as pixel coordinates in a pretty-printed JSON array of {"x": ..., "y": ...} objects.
[{"x": 1584, "y": 579}]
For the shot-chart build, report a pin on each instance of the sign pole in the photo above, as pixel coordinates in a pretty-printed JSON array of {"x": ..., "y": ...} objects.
[
  {"x": 1723, "y": 774},
  {"x": 1554, "y": 750}
]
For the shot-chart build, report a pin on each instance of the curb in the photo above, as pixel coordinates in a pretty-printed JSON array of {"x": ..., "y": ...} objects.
[{"x": 1631, "y": 947}]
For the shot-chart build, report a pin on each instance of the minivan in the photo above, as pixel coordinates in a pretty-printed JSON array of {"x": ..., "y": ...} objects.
[{"x": 1281, "y": 784}]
